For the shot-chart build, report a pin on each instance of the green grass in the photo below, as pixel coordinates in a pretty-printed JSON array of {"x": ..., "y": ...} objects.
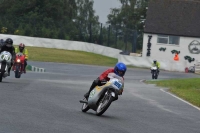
[
  {"x": 187, "y": 89},
  {"x": 68, "y": 56}
]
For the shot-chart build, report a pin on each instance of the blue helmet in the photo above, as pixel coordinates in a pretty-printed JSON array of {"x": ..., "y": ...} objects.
[{"x": 120, "y": 69}]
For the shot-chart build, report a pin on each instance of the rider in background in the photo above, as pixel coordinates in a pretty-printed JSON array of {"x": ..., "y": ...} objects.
[
  {"x": 8, "y": 46},
  {"x": 119, "y": 69},
  {"x": 23, "y": 50},
  {"x": 1, "y": 43},
  {"x": 157, "y": 64}
]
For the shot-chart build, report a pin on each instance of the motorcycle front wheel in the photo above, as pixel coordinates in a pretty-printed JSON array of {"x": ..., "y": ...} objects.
[
  {"x": 17, "y": 73},
  {"x": 104, "y": 104},
  {"x": 85, "y": 106},
  {"x": 156, "y": 76},
  {"x": 3, "y": 66},
  {"x": 153, "y": 76}
]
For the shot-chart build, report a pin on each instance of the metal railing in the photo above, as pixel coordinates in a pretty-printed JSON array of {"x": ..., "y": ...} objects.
[{"x": 119, "y": 37}]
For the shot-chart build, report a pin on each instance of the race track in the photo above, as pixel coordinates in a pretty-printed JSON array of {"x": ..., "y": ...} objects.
[{"x": 49, "y": 103}]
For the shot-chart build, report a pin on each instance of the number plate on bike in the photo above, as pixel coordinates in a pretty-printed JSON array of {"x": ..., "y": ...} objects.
[{"x": 119, "y": 85}]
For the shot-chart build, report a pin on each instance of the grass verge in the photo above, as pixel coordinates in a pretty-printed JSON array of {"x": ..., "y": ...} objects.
[
  {"x": 187, "y": 89},
  {"x": 68, "y": 56}
]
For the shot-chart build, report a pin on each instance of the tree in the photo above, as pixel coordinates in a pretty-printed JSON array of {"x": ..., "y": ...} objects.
[
  {"x": 39, "y": 15},
  {"x": 86, "y": 20},
  {"x": 128, "y": 17}
]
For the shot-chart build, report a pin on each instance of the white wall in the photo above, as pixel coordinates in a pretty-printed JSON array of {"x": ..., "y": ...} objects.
[
  {"x": 146, "y": 62},
  {"x": 63, "y": 44},
  {"x": 167, "y": 55}
]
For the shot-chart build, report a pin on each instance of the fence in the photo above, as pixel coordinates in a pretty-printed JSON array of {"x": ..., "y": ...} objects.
[{"x": 115, "y": 36}]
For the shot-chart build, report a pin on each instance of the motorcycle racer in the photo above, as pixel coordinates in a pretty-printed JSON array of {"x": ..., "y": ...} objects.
[
  {"x": 157, "y": 64},
  {"x": 8, "y": 46},
  {"x": 23, "y": 50},
  {"x": 119, "y": 69}
]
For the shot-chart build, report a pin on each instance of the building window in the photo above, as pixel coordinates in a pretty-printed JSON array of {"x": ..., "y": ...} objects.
[{"x": 165, "y": 39}]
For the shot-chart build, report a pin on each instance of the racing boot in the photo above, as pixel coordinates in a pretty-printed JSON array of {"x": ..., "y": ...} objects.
[
  {"x": 86, "y": 95},
  {"x": 24, "y": 69},
  {"x": 9, "y": 71}
]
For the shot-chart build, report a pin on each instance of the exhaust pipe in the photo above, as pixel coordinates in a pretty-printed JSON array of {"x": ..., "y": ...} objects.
[{"x": 82, "y": 101}]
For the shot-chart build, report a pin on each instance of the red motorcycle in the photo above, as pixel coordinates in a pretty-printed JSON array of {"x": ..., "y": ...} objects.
[{"x": 18, "y": 66}]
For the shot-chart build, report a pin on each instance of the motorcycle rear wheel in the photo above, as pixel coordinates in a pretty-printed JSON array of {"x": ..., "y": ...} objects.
[{"x": 102, "y": 107}]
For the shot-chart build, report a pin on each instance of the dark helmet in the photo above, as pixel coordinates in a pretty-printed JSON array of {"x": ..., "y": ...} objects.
[
  {"x": 21, "y": 47},
  {"x": 9, "y": 42},
  {"x": 154, "y": 61},
  {"x": 120, "y": 69}
]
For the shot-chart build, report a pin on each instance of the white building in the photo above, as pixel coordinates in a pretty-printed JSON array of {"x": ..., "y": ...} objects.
[{"x": 174, "y": 26}]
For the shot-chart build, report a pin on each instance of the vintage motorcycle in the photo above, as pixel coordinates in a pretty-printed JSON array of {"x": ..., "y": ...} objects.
[
  {"x": 101, "y": 97},
  {"x": 5, "y": 63},
  {"x": 154, "y": 72},
  {"x": 18, "y": 66}
]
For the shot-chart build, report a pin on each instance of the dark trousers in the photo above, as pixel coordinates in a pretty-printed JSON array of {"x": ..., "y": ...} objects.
[
  {"x": 10, "y": 67},
  {"x": 95, "y": 83},
  {"x": 25, "y": 64}
]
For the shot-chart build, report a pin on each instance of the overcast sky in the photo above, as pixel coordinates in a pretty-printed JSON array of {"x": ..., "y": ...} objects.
[{"x": 102, "y": 8}]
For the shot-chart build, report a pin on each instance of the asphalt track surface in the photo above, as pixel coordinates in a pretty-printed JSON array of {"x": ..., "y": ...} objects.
[{"x": 49, "y": 103}]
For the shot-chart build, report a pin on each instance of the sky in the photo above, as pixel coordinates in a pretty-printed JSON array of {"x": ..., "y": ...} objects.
[{"x": 102, "y": 8}]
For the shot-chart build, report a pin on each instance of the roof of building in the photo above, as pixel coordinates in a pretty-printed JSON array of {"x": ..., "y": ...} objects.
[{"x": 173, "y": 17}]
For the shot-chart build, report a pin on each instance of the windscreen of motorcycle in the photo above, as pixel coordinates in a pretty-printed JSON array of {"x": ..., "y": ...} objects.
[{"x": 154, "y": 68}]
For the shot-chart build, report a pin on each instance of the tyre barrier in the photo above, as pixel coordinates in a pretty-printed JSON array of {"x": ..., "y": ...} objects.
[
  {"x": 197, "y": 68},
  {"x": 35, "y": 69}
]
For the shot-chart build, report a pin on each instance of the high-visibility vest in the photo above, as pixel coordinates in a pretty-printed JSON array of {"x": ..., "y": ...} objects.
[{"x": 25, "y": 52}]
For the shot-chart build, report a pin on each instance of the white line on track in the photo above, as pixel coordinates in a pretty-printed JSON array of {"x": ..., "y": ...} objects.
[{"x": 181, "y": 99}]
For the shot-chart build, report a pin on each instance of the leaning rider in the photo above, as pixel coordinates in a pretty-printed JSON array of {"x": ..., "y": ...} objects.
[
  {"x": 23, "y": 50},
  {"x": 119, "y": 69}
]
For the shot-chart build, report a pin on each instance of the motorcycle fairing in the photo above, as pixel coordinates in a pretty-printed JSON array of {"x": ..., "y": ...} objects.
[{"x": 96, "y": 94}]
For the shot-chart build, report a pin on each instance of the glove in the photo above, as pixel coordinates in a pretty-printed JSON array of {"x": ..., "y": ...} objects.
[
  {"x": 120, "y": 92},
  {"x": 103, "y": 81}
]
